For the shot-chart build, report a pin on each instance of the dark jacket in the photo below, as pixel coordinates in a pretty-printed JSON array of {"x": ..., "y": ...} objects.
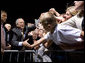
[
  {"x": 2, "y": 39},
  {"x": 8, "y": 36},
  {"x": 18, "y": 37}
]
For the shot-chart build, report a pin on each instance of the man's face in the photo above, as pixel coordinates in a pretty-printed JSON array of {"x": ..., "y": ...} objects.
[
  {"x": 21, "y": 23},
  {"x": 3, "y": 17}
]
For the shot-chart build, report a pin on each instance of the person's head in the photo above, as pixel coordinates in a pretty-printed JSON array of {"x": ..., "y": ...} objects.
[
  {"x": 3, "y": 16},
  {"x": 79, "y": 5},
  {"x": 41, "y": 32},
  {"x": 70, "y": 12},
  {"x": 8, "y": 27},
  {"x": 48, "y": 21},
  {"x": 20, "y": 23},
  {"x": 34, "y": 34}
]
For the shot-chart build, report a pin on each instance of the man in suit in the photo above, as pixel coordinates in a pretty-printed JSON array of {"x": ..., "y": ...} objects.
[
  {"x": 20, "y": 34},
  {"x": 20, "y": 38},
  {"x": 3, "y": 19}
]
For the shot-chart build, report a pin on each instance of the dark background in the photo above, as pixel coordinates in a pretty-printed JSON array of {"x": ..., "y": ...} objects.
[{"x": 30, "y": 10}]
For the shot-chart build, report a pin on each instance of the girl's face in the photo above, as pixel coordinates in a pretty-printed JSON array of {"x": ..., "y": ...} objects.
[
  {"x": 41, "y": 33},
  {"x": 34, "y": 35},
  {"x": 67, "y": 15}
]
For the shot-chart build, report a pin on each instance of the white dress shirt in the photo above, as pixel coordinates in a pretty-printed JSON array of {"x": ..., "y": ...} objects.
[{"x": 65, "y": 34}]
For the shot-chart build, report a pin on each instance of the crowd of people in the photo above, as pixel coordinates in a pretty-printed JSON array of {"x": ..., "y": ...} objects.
[{"x": 52, "y": 31}]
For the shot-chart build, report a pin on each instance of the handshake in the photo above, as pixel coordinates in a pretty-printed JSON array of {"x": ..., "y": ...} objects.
[
  {"x": 36, "y": 43},
  {"x": 26, "y": 44}
]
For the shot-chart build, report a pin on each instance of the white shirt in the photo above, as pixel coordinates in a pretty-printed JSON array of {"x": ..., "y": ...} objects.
[
  {"x": 75, "y": 21},
  {"x": 65, "y": 34}
]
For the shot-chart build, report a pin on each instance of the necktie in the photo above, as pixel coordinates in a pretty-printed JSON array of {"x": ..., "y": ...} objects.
[{"x": 22, "y": 39}]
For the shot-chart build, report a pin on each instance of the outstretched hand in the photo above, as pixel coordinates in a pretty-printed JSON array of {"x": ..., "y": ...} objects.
[{"x": 25, "y": 42}]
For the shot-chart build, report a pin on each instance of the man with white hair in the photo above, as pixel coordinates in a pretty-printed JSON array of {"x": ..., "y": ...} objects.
[
  {"x": 20, "y": 38},
  {"x": 20, "y": 33}
]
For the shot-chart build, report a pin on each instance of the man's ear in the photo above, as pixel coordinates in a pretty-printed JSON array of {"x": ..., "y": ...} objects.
[{"x": 17, "y": 25}]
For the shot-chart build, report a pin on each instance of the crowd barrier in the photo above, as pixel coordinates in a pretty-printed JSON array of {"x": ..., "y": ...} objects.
[
  {"x": 17, "y": 56},
  {"x": 56, "y": 56},
  {"x": 61, "y": 56}
]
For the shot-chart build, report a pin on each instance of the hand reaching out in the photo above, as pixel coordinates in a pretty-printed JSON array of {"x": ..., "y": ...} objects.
[
  {"x": 26, "y": 44},
  {"x": 53, "y": 11}
]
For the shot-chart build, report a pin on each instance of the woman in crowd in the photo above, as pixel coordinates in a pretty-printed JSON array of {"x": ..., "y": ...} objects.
[{"x": 70, "y": 12}]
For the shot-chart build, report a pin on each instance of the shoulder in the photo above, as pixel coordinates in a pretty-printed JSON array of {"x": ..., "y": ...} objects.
[
  {"x": 64, "y": 28},
  {"x": 16, "y": 31}
]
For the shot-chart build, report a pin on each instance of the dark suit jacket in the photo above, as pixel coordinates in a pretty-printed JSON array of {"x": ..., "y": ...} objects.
[
  {"x": 8, "y": 39},
  {"x": 17, "y": 36},
  {"x": 2, "y": 39}
]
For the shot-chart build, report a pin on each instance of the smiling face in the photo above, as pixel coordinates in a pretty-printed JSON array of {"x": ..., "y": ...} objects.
[{"x": 20, "y": 23}]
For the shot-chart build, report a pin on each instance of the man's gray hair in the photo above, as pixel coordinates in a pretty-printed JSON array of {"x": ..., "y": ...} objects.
[{"x": 17, "y": 20}]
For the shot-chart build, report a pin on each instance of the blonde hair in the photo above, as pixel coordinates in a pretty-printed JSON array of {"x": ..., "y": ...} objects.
[{"x": 72, "y": 10}]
